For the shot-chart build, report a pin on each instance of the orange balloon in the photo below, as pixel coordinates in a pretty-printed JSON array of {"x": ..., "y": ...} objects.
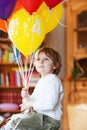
[{"x": 4, "y": 25}]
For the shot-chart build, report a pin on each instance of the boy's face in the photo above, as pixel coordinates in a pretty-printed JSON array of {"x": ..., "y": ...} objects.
[{"x": 44, "y": 65}]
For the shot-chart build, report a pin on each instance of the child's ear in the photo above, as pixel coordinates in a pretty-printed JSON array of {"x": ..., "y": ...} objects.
[{"x": 54, "y": 67}]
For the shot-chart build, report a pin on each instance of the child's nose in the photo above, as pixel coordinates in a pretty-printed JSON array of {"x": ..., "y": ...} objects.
[{"x": 41, "y": 61}]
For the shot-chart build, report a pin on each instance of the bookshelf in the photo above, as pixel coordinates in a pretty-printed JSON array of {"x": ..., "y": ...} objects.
[
  {"x": 10, "y": 79},
  {"x": 9, "y": 89}
]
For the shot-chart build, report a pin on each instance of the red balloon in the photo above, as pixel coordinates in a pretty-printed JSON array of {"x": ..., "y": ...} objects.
[
  {"x": 31, "y": 5},
  {"x": 52, "y": 3}
]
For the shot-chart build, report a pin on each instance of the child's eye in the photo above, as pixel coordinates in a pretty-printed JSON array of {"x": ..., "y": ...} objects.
[
  {"x": 46, "y": 59},
  {"x": 37, "y": 59}
]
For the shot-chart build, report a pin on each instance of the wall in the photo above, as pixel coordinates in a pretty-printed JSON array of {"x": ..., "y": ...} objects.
[{"x": 56, "y": 40}]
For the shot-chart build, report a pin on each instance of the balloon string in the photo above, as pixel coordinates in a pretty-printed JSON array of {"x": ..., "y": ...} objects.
[
  {"x": 19, "y": 65},
  {"x": 30, "y": 70},
  {"x": 61, "y": 24},
  {"x": 30, "y": 76},
  {"x": 25, "y": 72},
  {"x": 59, "y": 21}
]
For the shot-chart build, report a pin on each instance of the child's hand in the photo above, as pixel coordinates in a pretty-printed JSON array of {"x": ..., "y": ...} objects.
[
  {"x": 26, "y": 105},
  {"x": 23, "y": 106},
  {"x": 24, "y": 93}
]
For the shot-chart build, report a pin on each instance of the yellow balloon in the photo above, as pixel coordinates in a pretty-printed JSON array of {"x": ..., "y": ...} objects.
[
  {"x": 26, "y": 31},
  {"x": 51, "y": 17}
]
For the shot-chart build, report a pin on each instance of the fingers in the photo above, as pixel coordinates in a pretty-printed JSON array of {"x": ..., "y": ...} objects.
[
  {"x": 21, "y": 106},
  {"x": 24, "y": 92}
]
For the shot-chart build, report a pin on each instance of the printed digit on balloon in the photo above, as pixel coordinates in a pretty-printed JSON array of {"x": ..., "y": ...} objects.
[{"x": 36, "y": 27}]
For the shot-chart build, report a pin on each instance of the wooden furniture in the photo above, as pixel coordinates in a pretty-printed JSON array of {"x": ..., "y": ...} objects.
[
  {"x": 76, "y": 51},
  {"x": 75, "y": 93},
  {"x": 76, "y": 32},
  {"x": 2, "y": 121},
  {"x": 9, "y": 93},
  {"x": 10, "y": 80}
]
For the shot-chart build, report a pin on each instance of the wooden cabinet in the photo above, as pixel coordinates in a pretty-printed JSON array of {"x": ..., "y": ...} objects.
[
  {"x": 76, "y": 34},
  {"x": 75, "y": 94},
  {"x": 76, "y": 52},
  {"x": 77, "y": 91},
  {"x": 76, "y": 48}
]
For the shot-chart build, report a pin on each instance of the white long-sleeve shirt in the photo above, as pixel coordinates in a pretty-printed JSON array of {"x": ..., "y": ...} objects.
[{"x": 47, "y": 96}]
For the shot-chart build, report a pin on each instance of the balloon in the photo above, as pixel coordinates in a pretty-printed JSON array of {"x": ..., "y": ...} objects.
[
  {"x": 26, "y": 31},
  {"x": 3, "y": 25},
  {"x": 6, "y": 8},
  {"x": 31, "y": 5},
  {"x": 52, "y": 3},
  {"x": 16, "y": 8},
  {"x": 51, "y": 17}
]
